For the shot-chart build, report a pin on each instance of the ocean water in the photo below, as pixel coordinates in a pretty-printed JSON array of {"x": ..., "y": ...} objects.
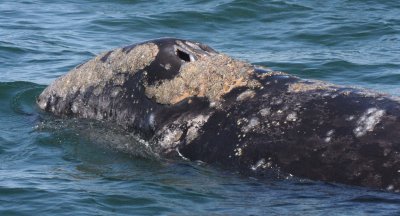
[{"x": 63, "y": 169}]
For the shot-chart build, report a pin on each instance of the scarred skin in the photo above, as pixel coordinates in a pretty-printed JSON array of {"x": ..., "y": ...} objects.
[{"x": 190, "y": 100}]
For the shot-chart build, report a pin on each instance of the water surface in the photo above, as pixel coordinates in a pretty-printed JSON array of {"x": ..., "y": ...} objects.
[{"x": 57, "y": 169}]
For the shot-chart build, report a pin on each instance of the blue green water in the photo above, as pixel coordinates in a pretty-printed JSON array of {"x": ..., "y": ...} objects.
[{"x": 57, "y": 169}]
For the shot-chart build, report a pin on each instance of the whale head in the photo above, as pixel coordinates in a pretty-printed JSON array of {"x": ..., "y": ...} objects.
[{"x": 129, "y": 85}]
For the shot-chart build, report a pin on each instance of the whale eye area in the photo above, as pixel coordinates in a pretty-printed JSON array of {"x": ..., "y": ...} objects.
[{"x": 183, "y": 55}]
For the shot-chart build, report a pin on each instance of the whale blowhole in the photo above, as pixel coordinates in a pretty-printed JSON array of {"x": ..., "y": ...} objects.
[{"x": 184, "y": 56}]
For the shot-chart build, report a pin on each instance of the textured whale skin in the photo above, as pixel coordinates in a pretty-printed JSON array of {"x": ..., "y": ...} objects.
[{"x": 188, "y": 99}]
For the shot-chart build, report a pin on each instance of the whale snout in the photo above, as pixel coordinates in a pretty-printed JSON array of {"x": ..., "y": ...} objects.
[{"x": 113, "y": 85}]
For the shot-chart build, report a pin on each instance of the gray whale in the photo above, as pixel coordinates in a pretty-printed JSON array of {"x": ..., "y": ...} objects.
[{"x": 191, "y": 100}]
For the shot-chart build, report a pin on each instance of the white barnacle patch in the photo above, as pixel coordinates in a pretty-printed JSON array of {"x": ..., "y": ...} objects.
[
  {"x": 170, "y": 138},
  {"x": 194, "y": 125},
  {"x": 241, "y": 121},
  {"x": 260, "y": 164},
  {"x": 253, "y": 123},
  {"x": 238, "y": 152},
  {"x": 246, "y": 95},
  {"x": 350, "y": 118},
  {"x": 76, "y": 106},
  {"x": 329, "y": 134},
  {"x": 390, "y": 187},
  {"x": 167, "y": 66},
  {"x": 368, "y": 121},
  {"x": 265, "y": 112},
  {"x": 275, "y": 123},
  {"x": 152, "y": 120},
  {"x": 291, "y": 117}
]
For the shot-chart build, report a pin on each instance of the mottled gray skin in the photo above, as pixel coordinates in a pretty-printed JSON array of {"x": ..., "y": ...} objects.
[{"x": 256, "y": 123}]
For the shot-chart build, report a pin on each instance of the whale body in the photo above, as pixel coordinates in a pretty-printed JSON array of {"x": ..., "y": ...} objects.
[{"x": 193, "y": 101}]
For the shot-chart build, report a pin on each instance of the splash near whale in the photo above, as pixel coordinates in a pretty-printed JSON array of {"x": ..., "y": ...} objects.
[{"x": 191, "y": 100}]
